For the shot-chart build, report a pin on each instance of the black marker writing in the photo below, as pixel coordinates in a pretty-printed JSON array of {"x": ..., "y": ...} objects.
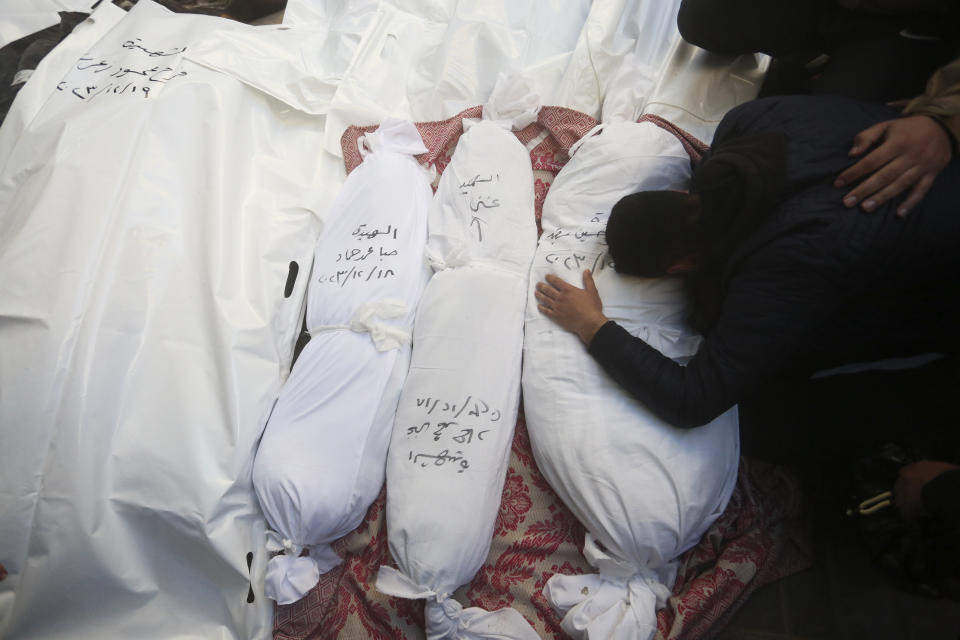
[
  {"x": 466, "y": 436},
  {"x": 475, "y": 179},
  {"x": 478, "y": 407},
  {"x": 492, "y": 203},
  {"x": 580, "y": 235},
  {"x": 135, "y": 44},
  {"x": 121, "y": 76},
  {"x": 440, "y": 459},
  {"x": 557, "y": 234},
  {"x": 478, "y": 223},
  {"x": 83, "y": 67},
  {"x": 344, "y": 276},
  {"x": 361, "y": 232}
]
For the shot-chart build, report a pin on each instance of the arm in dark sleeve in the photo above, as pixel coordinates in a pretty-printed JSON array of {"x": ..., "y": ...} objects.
[
  {"x": 769, "y": 314},
  {"x": 677, "y": 394},
  {"x": 941, "y": 100}
]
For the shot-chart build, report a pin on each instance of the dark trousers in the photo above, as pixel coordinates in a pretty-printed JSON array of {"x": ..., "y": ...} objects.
[{"x": 871, "y": 57}]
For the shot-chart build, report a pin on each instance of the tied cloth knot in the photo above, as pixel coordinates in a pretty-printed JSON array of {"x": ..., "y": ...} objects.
[
  {"x": 625, "y": 571},
  {"x": 393, "y": 134},
  {"x": 289, "y": 575},
  {"x": 620, "y": 602},
  {"x": 278, "y": 544},
  {"x": 446, "y": 619},
  {"x": 367, "y": 319},
  {"x": 442, "y": 613},
  {"x": 443, "y": 617},
  {"x": 457, "y": 256},
  {"x": 514, "y": 102}
]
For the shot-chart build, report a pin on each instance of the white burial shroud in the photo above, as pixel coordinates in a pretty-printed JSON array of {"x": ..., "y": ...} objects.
[
  {"x": 321, "y": 461},
  {"x": 645, "y": 491},
  {"x": 451, "y": 441}
]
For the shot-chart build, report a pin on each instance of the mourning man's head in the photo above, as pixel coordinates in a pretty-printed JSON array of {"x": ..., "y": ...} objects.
[{"x": 655, "y": 233}]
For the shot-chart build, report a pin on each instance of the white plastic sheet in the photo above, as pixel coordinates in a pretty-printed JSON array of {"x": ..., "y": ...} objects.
[
  {"x": 645, "y": 491},
  {"x": 359, "y": 14},
  {"x": 696, "y": 88},
  {"x": 618, "y": 58},
  {"x": 630, "y": 60},
  {"x": 321, "y": 461},
  {"x": 146, "y": 229},
  {"x": 448, "y": 454},
  {"x": 428, "y": 60},
  {"x": 48, "y": 73}
]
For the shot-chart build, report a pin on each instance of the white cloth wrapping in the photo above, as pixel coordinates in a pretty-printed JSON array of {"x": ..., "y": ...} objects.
[
  {"x": 321, "y": 460},
  {"x": 644, "y": 490},
  {"x": 450, "y": 445},
  {"x": 145, "y": 244}
]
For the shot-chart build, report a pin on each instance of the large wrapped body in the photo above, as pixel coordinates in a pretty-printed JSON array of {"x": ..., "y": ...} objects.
[{"x": 645, "y": 491}]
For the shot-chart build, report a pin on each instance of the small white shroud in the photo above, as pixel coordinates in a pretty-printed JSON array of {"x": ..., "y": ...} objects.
[
  {"x": 321, "y": 461},
  {"x": 448, "y": 455},
  {"x": 645, "y": 490}
]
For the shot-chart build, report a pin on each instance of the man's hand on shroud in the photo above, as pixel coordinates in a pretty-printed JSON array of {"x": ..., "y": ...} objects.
[{"x": 574, "y": 309}]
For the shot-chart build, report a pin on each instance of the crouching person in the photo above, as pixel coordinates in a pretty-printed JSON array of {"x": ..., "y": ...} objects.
[{"x": 783, "y": 280}]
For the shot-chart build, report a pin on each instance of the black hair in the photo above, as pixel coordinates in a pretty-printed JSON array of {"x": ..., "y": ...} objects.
[
  {"x": 732, "y": 192},
  {"x": 649, "y": 231}
]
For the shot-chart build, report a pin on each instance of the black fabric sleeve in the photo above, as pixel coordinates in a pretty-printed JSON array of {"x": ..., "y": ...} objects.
[
  {"x": 941, "y": 496},
  {"x": 676, "y": 394},
  {"x": 775, "y": 312}
]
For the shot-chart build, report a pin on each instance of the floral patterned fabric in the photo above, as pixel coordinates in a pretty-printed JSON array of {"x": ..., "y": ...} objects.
[{"x": 535, "y": 535}]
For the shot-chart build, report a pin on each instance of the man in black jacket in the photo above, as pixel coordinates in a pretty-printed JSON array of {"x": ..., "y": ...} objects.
[
  {"x": 808, "y": 286},
  {"x": 880, "y": 51}
]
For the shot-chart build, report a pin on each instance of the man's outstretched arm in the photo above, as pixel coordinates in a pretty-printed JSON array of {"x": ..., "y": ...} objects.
[{"x": 772, "y": 312}]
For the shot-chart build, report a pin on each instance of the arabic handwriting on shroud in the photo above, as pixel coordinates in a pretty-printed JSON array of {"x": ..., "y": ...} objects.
[
  {"x": 135, "y": 44},
  {"x": 376, "y": 258},
  {"x": 362, "y": 233},
  {"x": 440, "y": 459}
]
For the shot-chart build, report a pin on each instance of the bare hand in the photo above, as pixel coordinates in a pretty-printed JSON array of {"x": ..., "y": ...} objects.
[
  {"x": 908, "y": 490},
  {"x": 574, "y": 309},
  {"x": 912, "y": 152}
]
